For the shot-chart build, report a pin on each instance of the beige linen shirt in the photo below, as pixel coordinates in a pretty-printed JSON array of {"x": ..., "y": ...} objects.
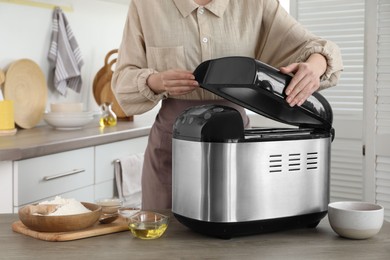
[{"x": 179, "y": 34}]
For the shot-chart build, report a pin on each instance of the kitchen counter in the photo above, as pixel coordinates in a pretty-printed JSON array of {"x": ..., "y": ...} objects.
[
  {"x": 30, "y": 155},
  {"x": 178, "y": 242},
  {"x": 43, "y": 140}
]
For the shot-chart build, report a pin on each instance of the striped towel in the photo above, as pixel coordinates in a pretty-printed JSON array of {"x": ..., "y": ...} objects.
[{"x": 64, "y": 55}]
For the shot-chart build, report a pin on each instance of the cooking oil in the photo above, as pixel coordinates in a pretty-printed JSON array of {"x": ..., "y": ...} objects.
[
  {"x": 108, "y": 117},
  {"x": 107, "y": 121},
  {"x": 147, "y": 230}
]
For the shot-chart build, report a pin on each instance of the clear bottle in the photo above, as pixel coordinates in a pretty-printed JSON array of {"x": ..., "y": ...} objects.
[{"x": 108, "y": 117}]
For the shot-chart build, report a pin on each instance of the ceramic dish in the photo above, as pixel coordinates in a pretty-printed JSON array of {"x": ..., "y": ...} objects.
[
  {"x": 354, "y": 219},
  {"x": 109, "y": 205},
  {"x": 68, "y": 120}
]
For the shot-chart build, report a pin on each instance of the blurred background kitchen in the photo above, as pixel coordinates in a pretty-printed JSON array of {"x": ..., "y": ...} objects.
[{"x": 96, "y": 24}]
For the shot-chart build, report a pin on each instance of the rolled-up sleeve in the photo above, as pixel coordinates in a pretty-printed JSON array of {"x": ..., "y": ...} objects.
[
  {"x": 285, "y": 41},
  {"x": 129, "y": 81}
]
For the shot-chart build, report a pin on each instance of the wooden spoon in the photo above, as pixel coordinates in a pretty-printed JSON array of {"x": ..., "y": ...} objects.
[{"x": 108, "y": 218}]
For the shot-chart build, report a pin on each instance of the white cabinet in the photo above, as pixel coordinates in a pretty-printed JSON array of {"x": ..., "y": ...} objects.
[
  {"x": 47, "y": 176},
  {"x": 105, "y": 155},
  {"x": 85, "y": 174},
  {"x": 5, "y": 186}
]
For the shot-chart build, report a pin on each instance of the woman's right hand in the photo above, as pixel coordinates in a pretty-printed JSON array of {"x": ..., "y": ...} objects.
[{"x": 174, "y": 82}]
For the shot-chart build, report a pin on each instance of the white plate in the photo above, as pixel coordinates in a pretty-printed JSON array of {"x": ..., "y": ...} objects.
[
  {"x": 67, "y": 122},
  {"x": 83, "y": 114}
]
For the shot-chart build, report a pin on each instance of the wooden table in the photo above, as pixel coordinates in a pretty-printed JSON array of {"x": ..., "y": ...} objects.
[{"x": 181, "y": 243}]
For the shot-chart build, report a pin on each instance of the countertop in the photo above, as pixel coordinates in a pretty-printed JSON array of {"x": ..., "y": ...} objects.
[
  {"x": 43, "y": 140},
  {"x": 179, "y": 242}
]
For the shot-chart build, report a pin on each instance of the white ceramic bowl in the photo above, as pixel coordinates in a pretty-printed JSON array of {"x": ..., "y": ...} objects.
[
  {"x": 68, "y": 120},
  {"x": 354, "y": 219},
  {"x": 109, "y": 205},
  {"x": 66, "y": 107}
]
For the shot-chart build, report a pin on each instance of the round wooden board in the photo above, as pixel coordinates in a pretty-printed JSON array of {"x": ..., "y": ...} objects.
[
  {"x": 25, "y": 84},
  {"x": 2, "y": 77},
  {"x": 103, "y": 75}
]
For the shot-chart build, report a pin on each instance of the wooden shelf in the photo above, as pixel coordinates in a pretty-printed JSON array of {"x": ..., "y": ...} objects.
[{"x": 39, "y": 4}]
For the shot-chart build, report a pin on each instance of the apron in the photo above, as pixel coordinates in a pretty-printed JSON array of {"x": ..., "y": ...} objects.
[{"x": 157, "y": 167}]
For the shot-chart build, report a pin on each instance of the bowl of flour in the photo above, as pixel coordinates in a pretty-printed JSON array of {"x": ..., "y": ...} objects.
[{"x": 60, "y": 215}]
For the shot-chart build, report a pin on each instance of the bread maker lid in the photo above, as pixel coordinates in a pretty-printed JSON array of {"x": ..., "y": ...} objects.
[{"x": 261, "y": 89}]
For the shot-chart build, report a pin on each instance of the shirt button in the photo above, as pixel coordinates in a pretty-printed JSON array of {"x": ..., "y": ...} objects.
[
  {"x": 205, "y": 40},
  {"x": 201, "y": 10}
]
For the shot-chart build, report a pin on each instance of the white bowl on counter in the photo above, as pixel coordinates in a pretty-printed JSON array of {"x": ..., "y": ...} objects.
[
  {"x": 68, "y": 120},
  {"x": 355, "y": 219}
]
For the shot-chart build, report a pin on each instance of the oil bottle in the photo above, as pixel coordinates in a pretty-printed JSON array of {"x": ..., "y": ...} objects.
[{"x": 108, "y": 117}]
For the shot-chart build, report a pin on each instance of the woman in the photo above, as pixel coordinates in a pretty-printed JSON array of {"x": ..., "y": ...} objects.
[{"x": 165, "y": 40}]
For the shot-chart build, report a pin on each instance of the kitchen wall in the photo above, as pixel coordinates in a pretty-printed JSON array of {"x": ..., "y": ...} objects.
[{"x": 96, "y": 24}]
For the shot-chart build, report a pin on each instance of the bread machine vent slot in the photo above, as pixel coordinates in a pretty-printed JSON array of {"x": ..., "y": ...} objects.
[
  {"x": 294, "y": 162},
  {"x": 312, "y": 161},
  {"x": 275, "y": 163}
]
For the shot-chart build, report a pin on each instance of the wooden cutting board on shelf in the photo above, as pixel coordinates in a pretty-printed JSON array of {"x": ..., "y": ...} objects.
[{"x": 96, "y": 230}]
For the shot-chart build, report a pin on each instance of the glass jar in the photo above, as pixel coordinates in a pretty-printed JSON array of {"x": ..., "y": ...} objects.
[{"x": 108, "y": 117}]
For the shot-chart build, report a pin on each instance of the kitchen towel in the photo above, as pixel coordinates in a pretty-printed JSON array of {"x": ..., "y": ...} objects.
[
  {"x": 128, "y": 171},
  {"x": 64, "y": 55}
]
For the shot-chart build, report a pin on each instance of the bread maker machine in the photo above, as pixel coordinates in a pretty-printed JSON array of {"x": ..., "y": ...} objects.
[{"x": 230, "y": 181}]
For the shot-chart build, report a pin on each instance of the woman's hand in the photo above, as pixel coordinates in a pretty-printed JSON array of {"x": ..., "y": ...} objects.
[
  {"x": 175, "y": 82},
  {"x": 306, "y": 78}
]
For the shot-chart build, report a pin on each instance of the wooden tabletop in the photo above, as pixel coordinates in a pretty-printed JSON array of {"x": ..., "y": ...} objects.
[{"x": 178, "y": 242}]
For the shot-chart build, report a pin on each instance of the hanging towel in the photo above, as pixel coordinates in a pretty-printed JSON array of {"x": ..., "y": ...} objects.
[
  {"x": 128, "y": 171},
  {"x": 64, "y": 55}
]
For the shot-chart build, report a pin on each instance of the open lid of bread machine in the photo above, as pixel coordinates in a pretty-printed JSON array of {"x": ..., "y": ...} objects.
[{"x": 261, "y": 89}]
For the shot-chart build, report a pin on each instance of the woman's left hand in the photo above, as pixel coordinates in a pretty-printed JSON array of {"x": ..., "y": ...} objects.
[{"x": 306, "y": 78}]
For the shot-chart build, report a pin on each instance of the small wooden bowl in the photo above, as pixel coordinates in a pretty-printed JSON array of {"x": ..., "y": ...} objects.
[{"x": 60, "y": 223}]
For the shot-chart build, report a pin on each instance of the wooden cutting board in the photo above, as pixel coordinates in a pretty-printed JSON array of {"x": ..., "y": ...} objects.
[
  {"x": 25, "y": 84},
  {"x": 104, "y": 74},
  {"x": 97, "y": 230},
  {"x": 102, "y": 80}
]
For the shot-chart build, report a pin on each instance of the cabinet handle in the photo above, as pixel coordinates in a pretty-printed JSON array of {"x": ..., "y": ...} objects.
[{"x": 60, "y": 175}]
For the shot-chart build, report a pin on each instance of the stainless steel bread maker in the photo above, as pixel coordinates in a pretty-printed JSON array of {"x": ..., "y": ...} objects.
[{"x": 229, "y": 181}]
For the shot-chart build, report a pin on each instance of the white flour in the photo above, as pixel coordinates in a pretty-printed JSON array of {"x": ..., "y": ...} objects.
[{"x": 66, "y": 207}]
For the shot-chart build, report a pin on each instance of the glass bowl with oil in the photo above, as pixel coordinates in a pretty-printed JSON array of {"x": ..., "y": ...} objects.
[{"x": 148, "y": 225}]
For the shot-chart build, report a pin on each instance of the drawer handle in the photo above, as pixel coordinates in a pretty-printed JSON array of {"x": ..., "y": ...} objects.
[{"x": 49, "y": 178}]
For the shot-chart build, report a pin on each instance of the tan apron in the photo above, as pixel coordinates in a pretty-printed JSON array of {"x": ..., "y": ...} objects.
[{"x": 157, "y": 169}]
